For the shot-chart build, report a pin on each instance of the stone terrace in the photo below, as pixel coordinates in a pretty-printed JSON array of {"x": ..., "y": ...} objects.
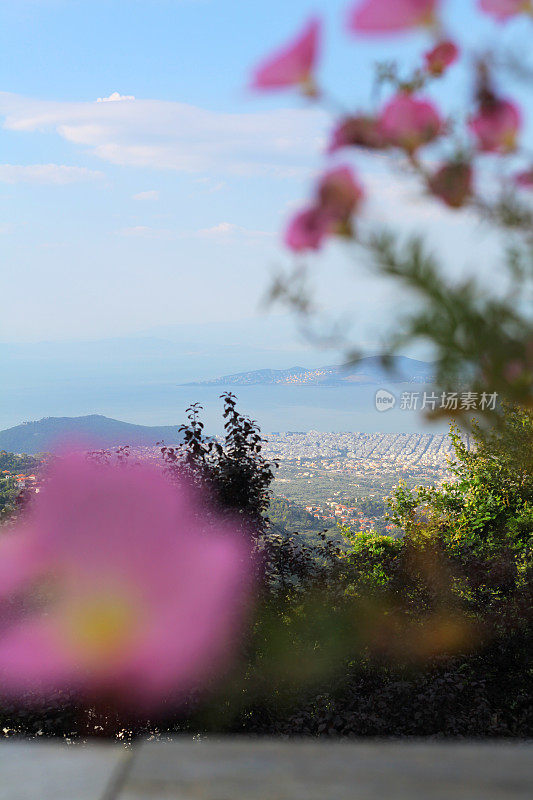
[{"x": 244, "y": 769}]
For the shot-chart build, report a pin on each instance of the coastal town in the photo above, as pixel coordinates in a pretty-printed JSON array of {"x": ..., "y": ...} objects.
[
  {"x": 345, "y": 478},
  {"x": 334, "y": 478},
  {"x": 406, "y": 451}
]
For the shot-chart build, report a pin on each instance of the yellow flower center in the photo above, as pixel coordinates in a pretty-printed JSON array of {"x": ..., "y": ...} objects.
[
  {"x": 509, "y": 141},
  {"x": 428, "y": 19},
  {"x": 99, "y": 627}
]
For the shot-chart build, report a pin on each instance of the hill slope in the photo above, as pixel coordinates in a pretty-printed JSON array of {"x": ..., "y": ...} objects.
[
  {"x": 366, "y": 371},
  {"x": 98, "y": 431}
]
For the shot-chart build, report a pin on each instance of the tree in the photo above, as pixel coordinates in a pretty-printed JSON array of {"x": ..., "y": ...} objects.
[
  {"x": 488, "y": 506},
  {"x": 237, "y": 478},
  {"x": 481, "y": 340}
]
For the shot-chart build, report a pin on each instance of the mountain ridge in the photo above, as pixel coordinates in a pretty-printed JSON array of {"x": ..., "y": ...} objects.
[
  {"x": 369, "y": 370},
  {"x": 43, "y": 435}
]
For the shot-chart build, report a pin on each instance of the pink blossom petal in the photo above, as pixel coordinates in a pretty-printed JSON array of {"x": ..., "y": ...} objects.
[
  {"x": 34, "y": 660},
  {"x": 505, "y": 9},
  {"x": 340, "y": 194},
  {"x": 452, "y": 183},
  {"x": 294, "y": 64},
  {"x": 524, "y": 179},
  {"x": 139, "y": 574},
  {"x": 442, "y": 56},
  {"x": 21, "y": 562},
  {"x": 391, "y": 16},
  {"x": 200, "y": 648},
  {"x": 358, "y": 131},
  {"x": 409, "y": 122},
  {"x": 496, "y": 126},
  {"x": 307, "y": 230}
]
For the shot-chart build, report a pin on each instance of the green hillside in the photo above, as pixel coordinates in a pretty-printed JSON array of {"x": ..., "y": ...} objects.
[{"x": 98, "y": 431}]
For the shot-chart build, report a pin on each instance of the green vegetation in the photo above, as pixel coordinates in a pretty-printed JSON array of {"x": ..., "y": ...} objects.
[
  {"x": 12, "y": 464},
  {"x": 372, "y": 508},
  {"x": 488, "y": 508},
  {"x": 9, "y": 491},
  {"x": 42, "y": 435},
  {"x": 18, "y": 463},
  {"x": 292, "y": 517},
  {"x": 428, "y": 634}
]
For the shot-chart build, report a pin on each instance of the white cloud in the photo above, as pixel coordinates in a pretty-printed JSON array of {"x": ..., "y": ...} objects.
[
  {"x": 222, "y": 229},
  {"x": 210, "y": 186},
  {"x": 226, "y": 231},
  {"x": 144, "y": 232},
  {"x": 58, "y": 174},
  {"x": 223, "y": 232},
  {"x": 115, "y": 97},
  {"x": 176, "y": 136},
  {"x": 150, "y": 195}
]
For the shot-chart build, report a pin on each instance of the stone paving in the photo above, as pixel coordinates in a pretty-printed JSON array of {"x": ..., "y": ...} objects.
[{"x": 262, "y": 769}]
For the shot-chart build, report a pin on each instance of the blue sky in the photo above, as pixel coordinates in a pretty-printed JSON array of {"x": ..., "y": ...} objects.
[{"x": 121, "y": 216}]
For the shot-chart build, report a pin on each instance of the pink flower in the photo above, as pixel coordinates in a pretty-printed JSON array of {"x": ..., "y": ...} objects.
[
  {"x": 496, "y": 126},
  {"x": 307, "y": 230},
  {"x": 524, "y": 179},
  {"x": 391, "y": 16},
  {"x": 409, "y": 122},
  {"x": 294, "y": 64},
  {"x": 452, "y": 183},
  {"x": 338, "y": 196},
  {"x": 442, "y": 56},
  {"x": 504, "y": 9},
  {"x": 141, "y": 590},
  {"x": 358, "y": 131}
]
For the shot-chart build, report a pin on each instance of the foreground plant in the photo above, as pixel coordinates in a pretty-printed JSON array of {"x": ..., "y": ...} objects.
[
  {"x": 472, "y": 161},
  {"x": 357, "y": 634},
  {"x": 294, "y": 64},
  {"x": 119, "y": 588}
]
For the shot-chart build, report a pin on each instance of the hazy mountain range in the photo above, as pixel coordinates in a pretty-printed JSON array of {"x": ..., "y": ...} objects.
[
  {"x": 142, "y": 378},
  {"x": 135, "y": 377},
  {"x": 366, "y": 371},
  {"x": 98, "y": 431}
]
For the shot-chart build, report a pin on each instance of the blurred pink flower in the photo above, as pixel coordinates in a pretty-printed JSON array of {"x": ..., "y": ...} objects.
[
  {"x": 307, "y": 230},
  {"x": 17, "y": 562},
  {"x": 358, "y": 131},
  {"x": 452, "y": 183},
  {"x": 409, "y": 122},
  {"x": 524, "y": 179},
  {"x": 504, "y": 9},
  {"x": 391, "y": 16},
  {"x": 442, "y": 56},
  {"x": 140, "y": 592},
  {"x": 496, "y": 126},
  {"x": 338, "y": 196},
  {"x": 294, "y": 64}
]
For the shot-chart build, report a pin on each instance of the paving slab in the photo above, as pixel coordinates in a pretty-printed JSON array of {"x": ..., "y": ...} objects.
[
  {"x": 242, "y": 769},
  {"x": 54, "y": 771}
]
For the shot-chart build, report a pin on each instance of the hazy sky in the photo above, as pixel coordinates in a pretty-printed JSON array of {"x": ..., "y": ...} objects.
[{"x": 119, "y": 215}]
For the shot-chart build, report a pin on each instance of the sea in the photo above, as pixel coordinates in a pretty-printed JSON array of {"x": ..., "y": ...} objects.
[{"x": 275, "y": 407}]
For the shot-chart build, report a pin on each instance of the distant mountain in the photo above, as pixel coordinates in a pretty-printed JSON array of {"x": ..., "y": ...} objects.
[
  {"x": 367, "y": 371},
  {"x": 96, "y": 430}
]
